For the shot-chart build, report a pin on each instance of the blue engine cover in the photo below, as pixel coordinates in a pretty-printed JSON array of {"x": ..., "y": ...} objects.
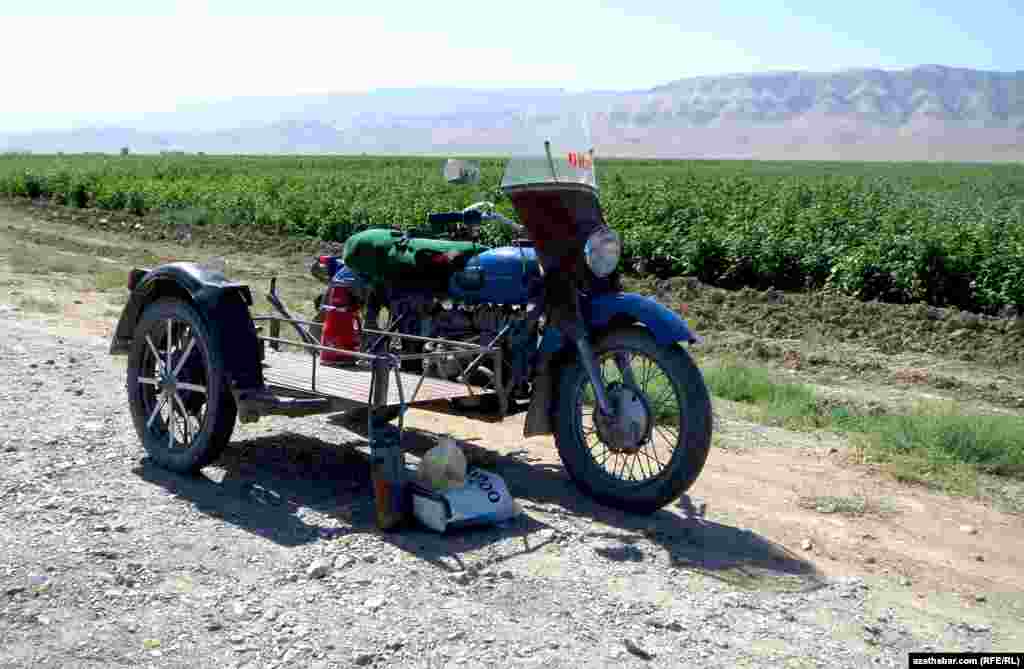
[{"x": 506, "y": 275}]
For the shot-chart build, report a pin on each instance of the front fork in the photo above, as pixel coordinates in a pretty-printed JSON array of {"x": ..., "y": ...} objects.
[{"x": 589, "y": 361}]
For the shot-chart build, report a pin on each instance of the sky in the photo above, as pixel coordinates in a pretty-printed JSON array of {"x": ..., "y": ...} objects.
[{"x": 76, "y": 62}]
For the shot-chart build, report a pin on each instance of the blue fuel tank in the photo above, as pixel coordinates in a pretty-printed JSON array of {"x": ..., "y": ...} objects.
[{"x": 506, "y": 275}]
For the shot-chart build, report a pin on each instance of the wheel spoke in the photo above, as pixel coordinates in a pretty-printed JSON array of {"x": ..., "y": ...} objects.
[
  {"x": 156, "y": 410},
  {"x": 655, "y": 457},
  {"x": 148, "y": 381},
  {"x": 640, "y": 463},
  {"x": 647, "y": 374},
  {"x": 661, "y": 429},
  {"x": 184, "y": 356},
  {"x": 192, "y": 387},
  {"x": 170, "y": 325},
  {"x": 184, "y": 416},
  {"x": 156, "y": 354},
  {"x": 632, "y": 463}
]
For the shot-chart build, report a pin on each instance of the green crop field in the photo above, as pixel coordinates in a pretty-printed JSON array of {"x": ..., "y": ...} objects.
[{"x": 944, "y": 234}]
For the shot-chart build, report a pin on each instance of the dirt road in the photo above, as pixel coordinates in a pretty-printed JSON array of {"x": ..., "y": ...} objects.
[{"x": 271, "y": 558}]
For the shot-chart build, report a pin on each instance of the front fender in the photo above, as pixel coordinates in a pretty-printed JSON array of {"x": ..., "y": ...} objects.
[
  {"x": 222, "y": 303},
  {"x": 665, "y": 325}
]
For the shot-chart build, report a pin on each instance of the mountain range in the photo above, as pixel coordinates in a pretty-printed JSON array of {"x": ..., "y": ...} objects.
[{"x": 931, "y": 112}]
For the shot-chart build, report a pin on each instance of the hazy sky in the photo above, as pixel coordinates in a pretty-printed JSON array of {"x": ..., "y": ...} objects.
[{"x": 96, "y": 60}]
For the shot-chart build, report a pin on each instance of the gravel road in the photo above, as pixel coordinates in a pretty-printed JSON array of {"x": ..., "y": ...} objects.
[{"x": 271, "y": 558}]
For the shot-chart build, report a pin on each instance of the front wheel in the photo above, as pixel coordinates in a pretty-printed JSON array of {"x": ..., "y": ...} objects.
[{"x": 657, "y": 446}]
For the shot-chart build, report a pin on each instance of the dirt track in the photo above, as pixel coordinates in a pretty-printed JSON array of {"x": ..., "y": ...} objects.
[{"x": 106, "y": 560}]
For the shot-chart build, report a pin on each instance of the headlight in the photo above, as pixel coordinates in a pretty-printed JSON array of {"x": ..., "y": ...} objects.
[{"x": 602, "y": 252}]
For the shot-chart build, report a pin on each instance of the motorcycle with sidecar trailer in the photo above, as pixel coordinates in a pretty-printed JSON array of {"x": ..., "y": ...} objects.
[{"x": 542, "y": 321}]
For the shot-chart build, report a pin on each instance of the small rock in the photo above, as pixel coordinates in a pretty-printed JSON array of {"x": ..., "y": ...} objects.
[
  {"x": 374, "y": 604},
  {"x": 455, "y": 636},
  {"x": 363, "y": 659},
  {"x": 871, "y": 559},
  {"x": 370, "y": 558},
  {"x": 461, "y": 578},
  {"x": 318, "y": 569},
  {"x": 980, "y": 598},
  {"x": 635, "y": 649},
  {"x": 968, "y": 529},
  {"x": 344, "y": 562},
  {"x": 807, "y": 545},
  {"x": 507, "y": 573},
  {"x": 978, "y": 557},
  {"x": 214, "y": 626}
]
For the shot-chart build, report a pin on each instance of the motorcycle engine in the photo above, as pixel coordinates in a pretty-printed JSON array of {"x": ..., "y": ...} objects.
[{"x": 473, "y": 325}]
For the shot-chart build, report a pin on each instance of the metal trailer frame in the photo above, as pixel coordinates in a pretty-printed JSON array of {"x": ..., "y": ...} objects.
[{"x": 365, "y": 382}]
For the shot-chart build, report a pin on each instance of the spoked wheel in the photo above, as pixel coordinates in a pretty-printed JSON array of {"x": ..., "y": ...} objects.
[
  {"x": 655, "y": 447},
  {"x": 183, "y": 411}
]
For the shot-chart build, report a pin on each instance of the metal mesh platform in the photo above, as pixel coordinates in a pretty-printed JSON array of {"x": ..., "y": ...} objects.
[{"x": 295, "y": 372}]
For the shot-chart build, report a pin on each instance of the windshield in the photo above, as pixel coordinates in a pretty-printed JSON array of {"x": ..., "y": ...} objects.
[{"x": 551, "y": 149}]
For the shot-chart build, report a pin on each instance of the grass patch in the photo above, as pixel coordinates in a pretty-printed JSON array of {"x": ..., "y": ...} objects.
[
  {"x": 853, "y": 505},
  {"x": 39, "y": 305},
  {"x": 939, "y": 447},
  {"x": 111, "y": 280},
  {"x": 785, "y": 403},
  {"x": 934, "y": 444},
  {"x": 41, "y": 259}
]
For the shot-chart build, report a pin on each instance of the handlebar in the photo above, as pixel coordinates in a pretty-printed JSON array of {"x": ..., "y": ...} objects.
[
  {"x": 487, "y": 213},
  {"x": 474, "y": 214},
  {"x": 446, "y": 217}
]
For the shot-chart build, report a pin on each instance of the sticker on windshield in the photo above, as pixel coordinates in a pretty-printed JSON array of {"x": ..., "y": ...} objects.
[{"x": 579, "y": 159}]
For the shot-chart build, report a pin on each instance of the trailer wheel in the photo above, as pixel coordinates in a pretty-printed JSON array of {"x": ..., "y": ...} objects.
[{"x": 182, "y": 408}]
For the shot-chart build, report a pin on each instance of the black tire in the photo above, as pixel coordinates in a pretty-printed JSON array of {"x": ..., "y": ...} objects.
[
  {"x": 204, "y": 367},
  {"x": 694, "y": 424}
]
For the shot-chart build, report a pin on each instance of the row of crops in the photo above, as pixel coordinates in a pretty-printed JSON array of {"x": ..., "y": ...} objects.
[{"x": 948, "y": 235}]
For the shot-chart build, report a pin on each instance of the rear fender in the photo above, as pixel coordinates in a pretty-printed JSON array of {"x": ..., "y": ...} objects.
[{"x": 222, "y": 303}]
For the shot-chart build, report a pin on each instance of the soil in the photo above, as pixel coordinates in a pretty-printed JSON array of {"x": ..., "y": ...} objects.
[{"x": 271, "y": 558}]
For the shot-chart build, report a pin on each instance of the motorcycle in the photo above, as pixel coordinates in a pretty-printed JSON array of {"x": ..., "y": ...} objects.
[
  {"x": 603, "y": 371},
  {"x": 541, "y": 321}
]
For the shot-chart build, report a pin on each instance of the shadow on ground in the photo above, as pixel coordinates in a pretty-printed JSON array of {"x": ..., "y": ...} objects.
[{"x": 293, "y": 489}]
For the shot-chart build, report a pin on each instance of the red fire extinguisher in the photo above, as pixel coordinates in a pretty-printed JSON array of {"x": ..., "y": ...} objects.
[{"x": 341, "y": 324}]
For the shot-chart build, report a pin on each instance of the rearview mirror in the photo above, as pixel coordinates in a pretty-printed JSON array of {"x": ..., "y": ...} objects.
[{"x": 462, "y": 171}]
